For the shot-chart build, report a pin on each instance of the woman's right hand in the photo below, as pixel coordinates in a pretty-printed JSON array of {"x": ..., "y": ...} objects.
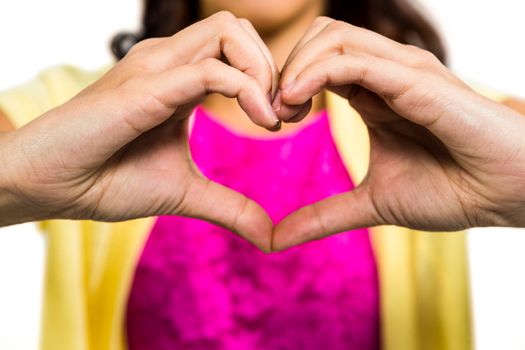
[{"x": 119, "y": 149}]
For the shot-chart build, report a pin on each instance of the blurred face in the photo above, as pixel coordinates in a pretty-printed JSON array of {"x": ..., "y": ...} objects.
[{"x": 267, "y": 16}]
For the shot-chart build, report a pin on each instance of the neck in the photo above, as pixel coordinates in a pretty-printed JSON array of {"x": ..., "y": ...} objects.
[{"x": 280, "y": 42}]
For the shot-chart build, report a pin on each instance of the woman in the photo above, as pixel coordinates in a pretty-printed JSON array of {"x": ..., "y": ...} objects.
[{"x": 194, "y": 285}]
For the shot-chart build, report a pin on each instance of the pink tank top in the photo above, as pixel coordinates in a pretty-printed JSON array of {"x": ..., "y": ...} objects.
[{"x": 199, "y": 287}]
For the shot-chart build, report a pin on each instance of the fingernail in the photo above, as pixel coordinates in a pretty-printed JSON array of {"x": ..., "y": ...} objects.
[
  {"x": 273, "y": 116},
  {"x": 276, "y": 105},
  {"x": 276, "y": 127}
]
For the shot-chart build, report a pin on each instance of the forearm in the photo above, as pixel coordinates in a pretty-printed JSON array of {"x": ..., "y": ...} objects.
[{"x": 13, "y": 210}]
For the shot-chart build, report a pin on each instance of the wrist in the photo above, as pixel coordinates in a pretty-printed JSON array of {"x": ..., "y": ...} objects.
[
  {"x": 12, "y": 208},
  {"x": 514, "y": 217},
  {"x": 10, "y": 212}
]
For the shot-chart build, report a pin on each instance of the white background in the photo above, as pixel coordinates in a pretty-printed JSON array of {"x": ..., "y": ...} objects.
[{"x": 485, "y": 39}]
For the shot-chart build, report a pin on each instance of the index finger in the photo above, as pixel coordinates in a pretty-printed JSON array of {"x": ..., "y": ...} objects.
[
  {"x": 219, "y": 36},
  {"x": 273, "y": 66}
]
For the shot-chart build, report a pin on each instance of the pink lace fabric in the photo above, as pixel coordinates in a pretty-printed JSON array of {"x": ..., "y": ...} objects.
[{"x": 200, "y": 287}]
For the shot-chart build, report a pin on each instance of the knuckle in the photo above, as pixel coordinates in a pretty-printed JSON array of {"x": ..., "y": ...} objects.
[
  {"x": 223, "y": 17},
  {"x": 266, "y": 68},
  {"x": 429, "y": 57},
  {"x": 248, "y": 86},
  {"x": 246, "y": 22},
  {"x": 337, "y": 32},
  {"x": 208, "y": 64},
  {"x": 139, "y": 49},
  {"x": 338, "y": 26},
  {"x": 139, "y": 61},
  {"x": 423, "y": 58},
  {"x": 142, "y": 62},
  {"x": 252, "y": 84},
  {"x": 245, "y": 79},
  {"x": 205, "y": 68},
  {"x": 320, "y": 20},
  {"x": 134, "y": 49},
  {"x": 143, "y": 44}
]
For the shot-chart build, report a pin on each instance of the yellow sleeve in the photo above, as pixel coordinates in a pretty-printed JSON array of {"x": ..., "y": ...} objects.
[
  {"x": 24, "y": 103},
  {"x": 49, "y": 89}
]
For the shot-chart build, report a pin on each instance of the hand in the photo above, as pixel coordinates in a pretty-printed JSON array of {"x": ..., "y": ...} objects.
[
  {"x": 442, "y": 156},
  {"x": 119, "y": 149}
]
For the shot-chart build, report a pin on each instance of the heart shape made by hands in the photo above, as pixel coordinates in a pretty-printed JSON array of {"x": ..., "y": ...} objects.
[{"x": 400, "y": 93}]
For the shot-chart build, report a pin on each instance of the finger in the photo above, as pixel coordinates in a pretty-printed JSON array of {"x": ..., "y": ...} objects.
[
  {"x": 365, "y": 102},
  {"x": 380, "y": 76},
  {"x": 343, "y": 212},
  {"x": 340, "y": 38},
  {"x": 145, "y": 44},
  {"x": 422, "y": 99},
  {"x": 288, "y": 113},
  {"x": 215, "y": 203},
  {"x": 143, "y": 104},
  {"x": 298, "y": 113},
  {"x": 377, "y": 113},
  {"x": 302, "y": 114},
  {"x": 217, "y": 36},
  {"x": 317, "y": 26},
  {"x": 213, "y": 76},
  {"x": 264, "y": 49},
  {"x": 387, "y": 79}
]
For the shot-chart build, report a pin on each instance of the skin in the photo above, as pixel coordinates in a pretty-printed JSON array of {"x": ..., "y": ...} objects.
[
  {"x": 280, "y": 25},
  {"x": 442, "y": 156},
  {"x": 270, "y": 18},
  {"x": 118, "y": 150}
]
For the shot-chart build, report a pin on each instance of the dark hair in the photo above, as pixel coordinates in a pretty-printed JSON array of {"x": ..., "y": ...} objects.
[{"x": 396, "y": 19}]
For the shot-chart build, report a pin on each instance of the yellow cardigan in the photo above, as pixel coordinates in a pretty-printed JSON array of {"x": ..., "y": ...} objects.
[{"x": 89, "y": 269}]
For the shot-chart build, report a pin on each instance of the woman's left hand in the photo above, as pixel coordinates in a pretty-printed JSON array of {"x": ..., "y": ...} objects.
[{"x": 442, "y": 156}]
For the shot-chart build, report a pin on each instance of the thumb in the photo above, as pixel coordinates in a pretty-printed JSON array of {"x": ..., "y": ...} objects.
[
  {"x": 339, "y": 213},
  {"x": 225, "y": 207}
]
